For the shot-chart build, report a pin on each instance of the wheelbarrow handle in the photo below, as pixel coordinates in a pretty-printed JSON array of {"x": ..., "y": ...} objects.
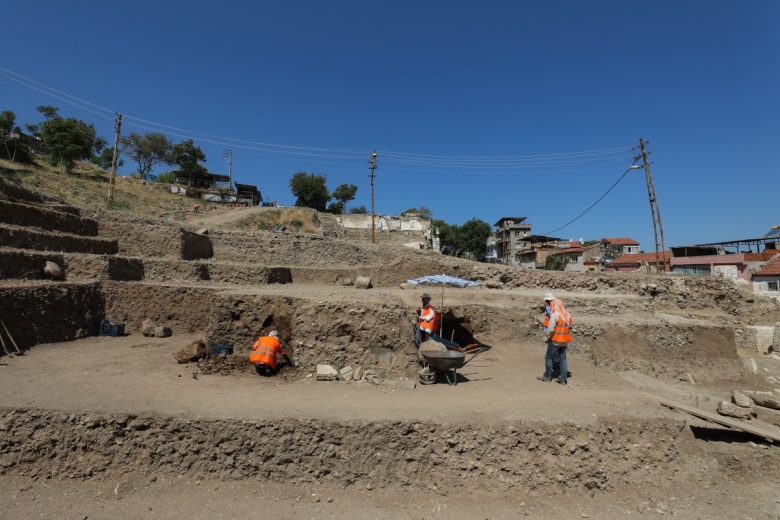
[{"x": 472, "y": 357}]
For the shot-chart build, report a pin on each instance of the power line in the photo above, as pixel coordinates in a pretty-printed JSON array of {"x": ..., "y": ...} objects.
[
  {"x": 513, "y": 164},
  {"x": 592, "y": 205}
]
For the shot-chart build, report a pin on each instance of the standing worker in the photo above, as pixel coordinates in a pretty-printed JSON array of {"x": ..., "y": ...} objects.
[
  {"x": 545, "y": 324},
  {"x": 428, "y": 320},
  {"x": 264, "y": 353},
  {"x": 558, "y": 335}
]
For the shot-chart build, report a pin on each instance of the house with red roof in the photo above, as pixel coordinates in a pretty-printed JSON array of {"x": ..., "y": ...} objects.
[
  {"x": 767, "y": 278},
  {"x": 640, "y": 261},
  {"x": 614, "y": 247}
]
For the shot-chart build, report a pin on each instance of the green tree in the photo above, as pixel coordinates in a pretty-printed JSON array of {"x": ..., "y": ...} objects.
[
  {"x": 473, "y": 238},
  {"x": 310, "y": 190},
  {"x": 167, "y": 178},
  {"x": 7, "y": 122},
  {"x": 187, "y": 157},
  {"x": 448, "y": 239},
  {"x": 344, "y": 194},
  {"x": 359, "y": 210},
  {"x": 590, "y": 242},
  {"x": 69, "y": 140},
  {"x": 337, "y": 208},
  {"x": 556, "y": 262},
  {"x": 147, "y": 150},
  {"x": 49, "y": 112},
  {"x": 423, "y": 211},
  {"x": 105, "y": 159}
]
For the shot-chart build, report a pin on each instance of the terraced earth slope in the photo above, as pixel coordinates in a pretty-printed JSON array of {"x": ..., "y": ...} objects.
[{"x": 114, "y": 426}]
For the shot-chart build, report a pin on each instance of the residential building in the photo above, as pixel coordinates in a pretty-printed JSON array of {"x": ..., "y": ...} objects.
[
  {"x": 208, "y": 181},
  {"x": 767, "y": 279},
  {"x": 639, "y": 261},
  {"x": 508, "y": 240},
  {"x": 578, "y": 254},
  {"x": 737, "y": 259},
  {"x": 614, "y": 247}
]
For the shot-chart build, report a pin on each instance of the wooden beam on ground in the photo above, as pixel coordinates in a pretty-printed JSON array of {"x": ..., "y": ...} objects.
[{"x": 765, "y": 431}]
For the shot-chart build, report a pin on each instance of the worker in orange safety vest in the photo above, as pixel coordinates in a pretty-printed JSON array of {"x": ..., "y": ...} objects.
[
  {"x": 264, "y": 353},
  {"x": 428, "y": 321},
  {"x": 558, "y": 337}
]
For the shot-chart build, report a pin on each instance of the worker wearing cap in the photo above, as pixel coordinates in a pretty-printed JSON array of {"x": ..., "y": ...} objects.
[
  {"x": 428, "y": 320},
  {"x": 558, "y": 337},
  {"x": 264, "y": 353}
]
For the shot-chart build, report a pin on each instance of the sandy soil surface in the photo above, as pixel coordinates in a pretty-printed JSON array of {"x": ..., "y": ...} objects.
[{"x": 138, "y": 375}]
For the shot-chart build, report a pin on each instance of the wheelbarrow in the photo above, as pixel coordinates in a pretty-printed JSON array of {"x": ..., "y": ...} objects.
[{"x": 446, "y": 362}]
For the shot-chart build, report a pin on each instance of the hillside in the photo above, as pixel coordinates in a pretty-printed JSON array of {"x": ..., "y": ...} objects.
[{"x": 88, "y": 187}]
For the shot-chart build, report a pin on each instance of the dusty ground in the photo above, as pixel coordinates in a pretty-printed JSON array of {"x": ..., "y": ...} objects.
[
  {"x": 114, "y": 427},
  {"x": 136, "y": 377}
]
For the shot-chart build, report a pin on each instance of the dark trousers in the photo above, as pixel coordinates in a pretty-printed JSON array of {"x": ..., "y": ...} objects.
[
  {"x": 261, "y": 369},
  {"x": 554, "y": 351}
]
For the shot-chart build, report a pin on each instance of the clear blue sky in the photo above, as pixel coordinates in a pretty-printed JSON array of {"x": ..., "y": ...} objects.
[{"x": 476, "y": 109}]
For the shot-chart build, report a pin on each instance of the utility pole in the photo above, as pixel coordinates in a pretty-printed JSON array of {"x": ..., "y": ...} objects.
[
  {"x": 372, "y": 167},
  {"x": 228, "y": 156},
  {"x": 118, "y": 127},
  {"x": 658, "y": 229}
]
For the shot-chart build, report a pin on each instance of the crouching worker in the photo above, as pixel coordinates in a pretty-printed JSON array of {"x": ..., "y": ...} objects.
[{"x": 264, "y": 353}]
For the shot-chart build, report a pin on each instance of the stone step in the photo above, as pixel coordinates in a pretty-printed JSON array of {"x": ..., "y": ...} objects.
[
  {"x": 25, "y": 265},
  {"x": 30, "y": 239},
  {"x": 46, "y": 218},
  {"x": 46, "y": 312}
]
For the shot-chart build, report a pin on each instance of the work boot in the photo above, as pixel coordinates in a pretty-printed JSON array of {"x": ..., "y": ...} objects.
[
  {"x": 543, "y": 378},
  {"x": 561, "y": 382}
]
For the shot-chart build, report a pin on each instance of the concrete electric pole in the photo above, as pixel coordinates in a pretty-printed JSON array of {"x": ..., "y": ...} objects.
[
  {"x": 118, "y": 127},
  {"x": 228, "y": 156},
  {"x": 658, "y": 229},
  {"x": 372, "y": 167}
]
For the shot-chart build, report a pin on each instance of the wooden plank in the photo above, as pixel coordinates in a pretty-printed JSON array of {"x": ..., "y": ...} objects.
[{"x": 767, "y": 431}]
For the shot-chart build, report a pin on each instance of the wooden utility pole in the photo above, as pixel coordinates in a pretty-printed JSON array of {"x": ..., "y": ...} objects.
[
  {"x": 658, "y": 229},
  {"x": 372, "y": 167},
  {"x": 110, "y": 201}
]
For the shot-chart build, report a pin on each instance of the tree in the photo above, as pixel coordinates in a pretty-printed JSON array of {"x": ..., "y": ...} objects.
[
  {"x": 187, "y": 157},
  {"x": 147, "y": 150},
  {"x": 49, "y": 112},
  {"x": 106, "y": 158},
  {"x": 69, "y": 140},
  {"x": 447, "y": 237},
  {"x": 343, "y": 194},
  {"x": 556, "y": 262},
  {"x": 7, "y": 121},
  {"x": 423, "y": 211},
  {"x": 469, "y": 240},
  {"x": 360, "y": 210},
  {"x": 167, "y": 178},
  {"x": 473, "y": 238},
  {"x": 310, "y": 190},
  {"x": 337, "y": 208}
]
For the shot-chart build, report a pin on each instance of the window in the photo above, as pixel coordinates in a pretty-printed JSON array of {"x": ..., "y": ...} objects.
[{"x": 773, "y": 286}]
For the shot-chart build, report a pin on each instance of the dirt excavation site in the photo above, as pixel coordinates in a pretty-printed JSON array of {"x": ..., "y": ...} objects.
[{"x": 148, "y": 423}]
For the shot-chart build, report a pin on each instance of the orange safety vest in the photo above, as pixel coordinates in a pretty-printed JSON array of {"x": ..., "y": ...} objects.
[
  {"x": 264, "y": 351},
  {"x": 429, "y": 320},
  {"x": 562, "y": 333}
]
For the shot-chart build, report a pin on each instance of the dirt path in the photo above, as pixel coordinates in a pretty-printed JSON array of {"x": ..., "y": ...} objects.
[{"x": 219, "y": 217}]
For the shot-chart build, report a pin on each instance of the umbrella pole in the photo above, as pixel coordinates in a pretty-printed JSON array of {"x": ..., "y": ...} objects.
[{"x": 441, "y": 321}]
